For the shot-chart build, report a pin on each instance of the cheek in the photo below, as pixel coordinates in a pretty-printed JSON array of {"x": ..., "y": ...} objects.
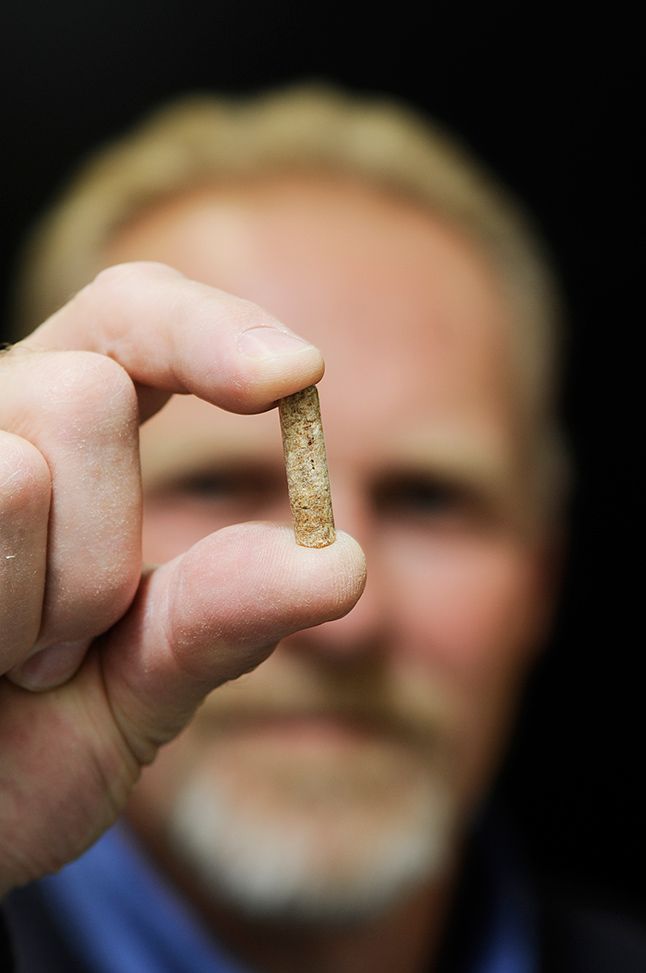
[
  {"x": 469, "y": 612},
  {"x": 469, "y": 604}
]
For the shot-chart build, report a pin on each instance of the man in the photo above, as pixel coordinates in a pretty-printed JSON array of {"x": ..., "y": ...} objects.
[{"x": 318, "y": 812}]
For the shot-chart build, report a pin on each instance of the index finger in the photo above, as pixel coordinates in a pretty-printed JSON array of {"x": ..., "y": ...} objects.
[{"x": 175, "y": 335}]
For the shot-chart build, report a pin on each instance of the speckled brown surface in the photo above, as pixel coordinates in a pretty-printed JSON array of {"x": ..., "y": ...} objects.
[{"x": 306, "y": 465}]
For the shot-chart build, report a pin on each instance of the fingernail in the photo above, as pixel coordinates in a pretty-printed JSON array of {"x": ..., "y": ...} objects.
[
  {"x": 50, "y": 667},
  {"x": 268, "y": 342}
]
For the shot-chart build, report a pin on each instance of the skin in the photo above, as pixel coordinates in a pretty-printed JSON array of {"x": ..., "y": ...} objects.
[{"x": 425, "y": 450}]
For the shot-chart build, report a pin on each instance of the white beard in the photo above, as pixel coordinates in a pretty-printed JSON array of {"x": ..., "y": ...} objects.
[{"x": 327, "y": 847}]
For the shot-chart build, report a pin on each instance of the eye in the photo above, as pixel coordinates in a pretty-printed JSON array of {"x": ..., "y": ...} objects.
[
  {"x": 421, "y": 496},
  {"x": 239, "y": 485},
  {"x": 212, "y": 485}
]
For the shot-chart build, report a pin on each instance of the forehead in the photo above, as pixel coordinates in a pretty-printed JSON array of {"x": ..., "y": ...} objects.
[{"x": 411, "y": 318}]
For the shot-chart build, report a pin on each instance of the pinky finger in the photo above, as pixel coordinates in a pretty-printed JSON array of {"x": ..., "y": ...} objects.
[{"x": 25, "y": 489}]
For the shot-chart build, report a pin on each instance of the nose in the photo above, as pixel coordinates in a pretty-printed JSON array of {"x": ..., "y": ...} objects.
[{"x": 364, "y": 630}]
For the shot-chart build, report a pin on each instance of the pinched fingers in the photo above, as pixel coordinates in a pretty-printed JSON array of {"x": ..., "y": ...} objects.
[{"x": 76, "y": 389}]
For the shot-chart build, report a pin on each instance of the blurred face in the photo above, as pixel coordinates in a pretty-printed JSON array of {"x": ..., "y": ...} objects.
[{"x": 341, "y": 773}]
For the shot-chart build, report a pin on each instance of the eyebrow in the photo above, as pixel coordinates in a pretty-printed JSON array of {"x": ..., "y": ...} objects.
[
  {"x": 454, "y": 455},
  {"x": 185, "y": 453}
]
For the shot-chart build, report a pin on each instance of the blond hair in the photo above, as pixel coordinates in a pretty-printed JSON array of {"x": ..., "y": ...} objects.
[{"x": 200, "y": 140}]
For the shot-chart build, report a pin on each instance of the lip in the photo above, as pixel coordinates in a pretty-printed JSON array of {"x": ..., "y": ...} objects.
[
  {"x": 314, "y": 726},
  {"x": 308, "y": 729}
]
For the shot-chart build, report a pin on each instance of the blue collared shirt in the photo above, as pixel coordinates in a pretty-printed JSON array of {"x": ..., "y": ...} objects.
[{"x": 121, "y": 916}]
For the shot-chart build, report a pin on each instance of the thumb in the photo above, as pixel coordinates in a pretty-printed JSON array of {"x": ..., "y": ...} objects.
[{"x": 214, "y": 613}]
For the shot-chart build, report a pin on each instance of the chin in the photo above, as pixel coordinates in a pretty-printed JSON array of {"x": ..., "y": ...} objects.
[{"x": 316, "y": 839}]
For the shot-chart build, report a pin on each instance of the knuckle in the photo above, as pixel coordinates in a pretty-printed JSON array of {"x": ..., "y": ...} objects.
[
  {"x": 89, "y": 384},
  {"x": 112, "y": 281}
]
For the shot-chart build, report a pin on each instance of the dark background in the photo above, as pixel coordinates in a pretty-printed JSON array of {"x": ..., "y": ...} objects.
[{"x": 551, "y": 100}]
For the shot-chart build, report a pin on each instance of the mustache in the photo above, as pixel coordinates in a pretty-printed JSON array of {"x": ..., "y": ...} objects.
[{"x": 400, "y": 703}]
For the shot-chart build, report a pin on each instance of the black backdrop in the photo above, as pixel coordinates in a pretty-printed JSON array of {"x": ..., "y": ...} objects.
[{"x": 549, "y": 99}]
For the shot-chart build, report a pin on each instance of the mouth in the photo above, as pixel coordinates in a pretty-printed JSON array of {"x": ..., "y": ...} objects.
[
  {"x": 303, "y": 729},
  {"x": 300, "y": 729}
]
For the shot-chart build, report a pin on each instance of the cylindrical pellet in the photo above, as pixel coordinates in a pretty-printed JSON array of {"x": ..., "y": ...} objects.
[{"x": 306, "y": 465}]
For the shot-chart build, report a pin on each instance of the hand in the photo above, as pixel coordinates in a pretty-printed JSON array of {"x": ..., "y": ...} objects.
[{"x": 104, "y": 662}]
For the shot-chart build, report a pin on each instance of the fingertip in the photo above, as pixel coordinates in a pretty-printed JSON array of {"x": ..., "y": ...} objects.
[
  {"x": 332, "y": 577},
  {"x": 339, "y": 569},
  {"x": 264, "y": 379},
  {"x": 354, "y": 562}
]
